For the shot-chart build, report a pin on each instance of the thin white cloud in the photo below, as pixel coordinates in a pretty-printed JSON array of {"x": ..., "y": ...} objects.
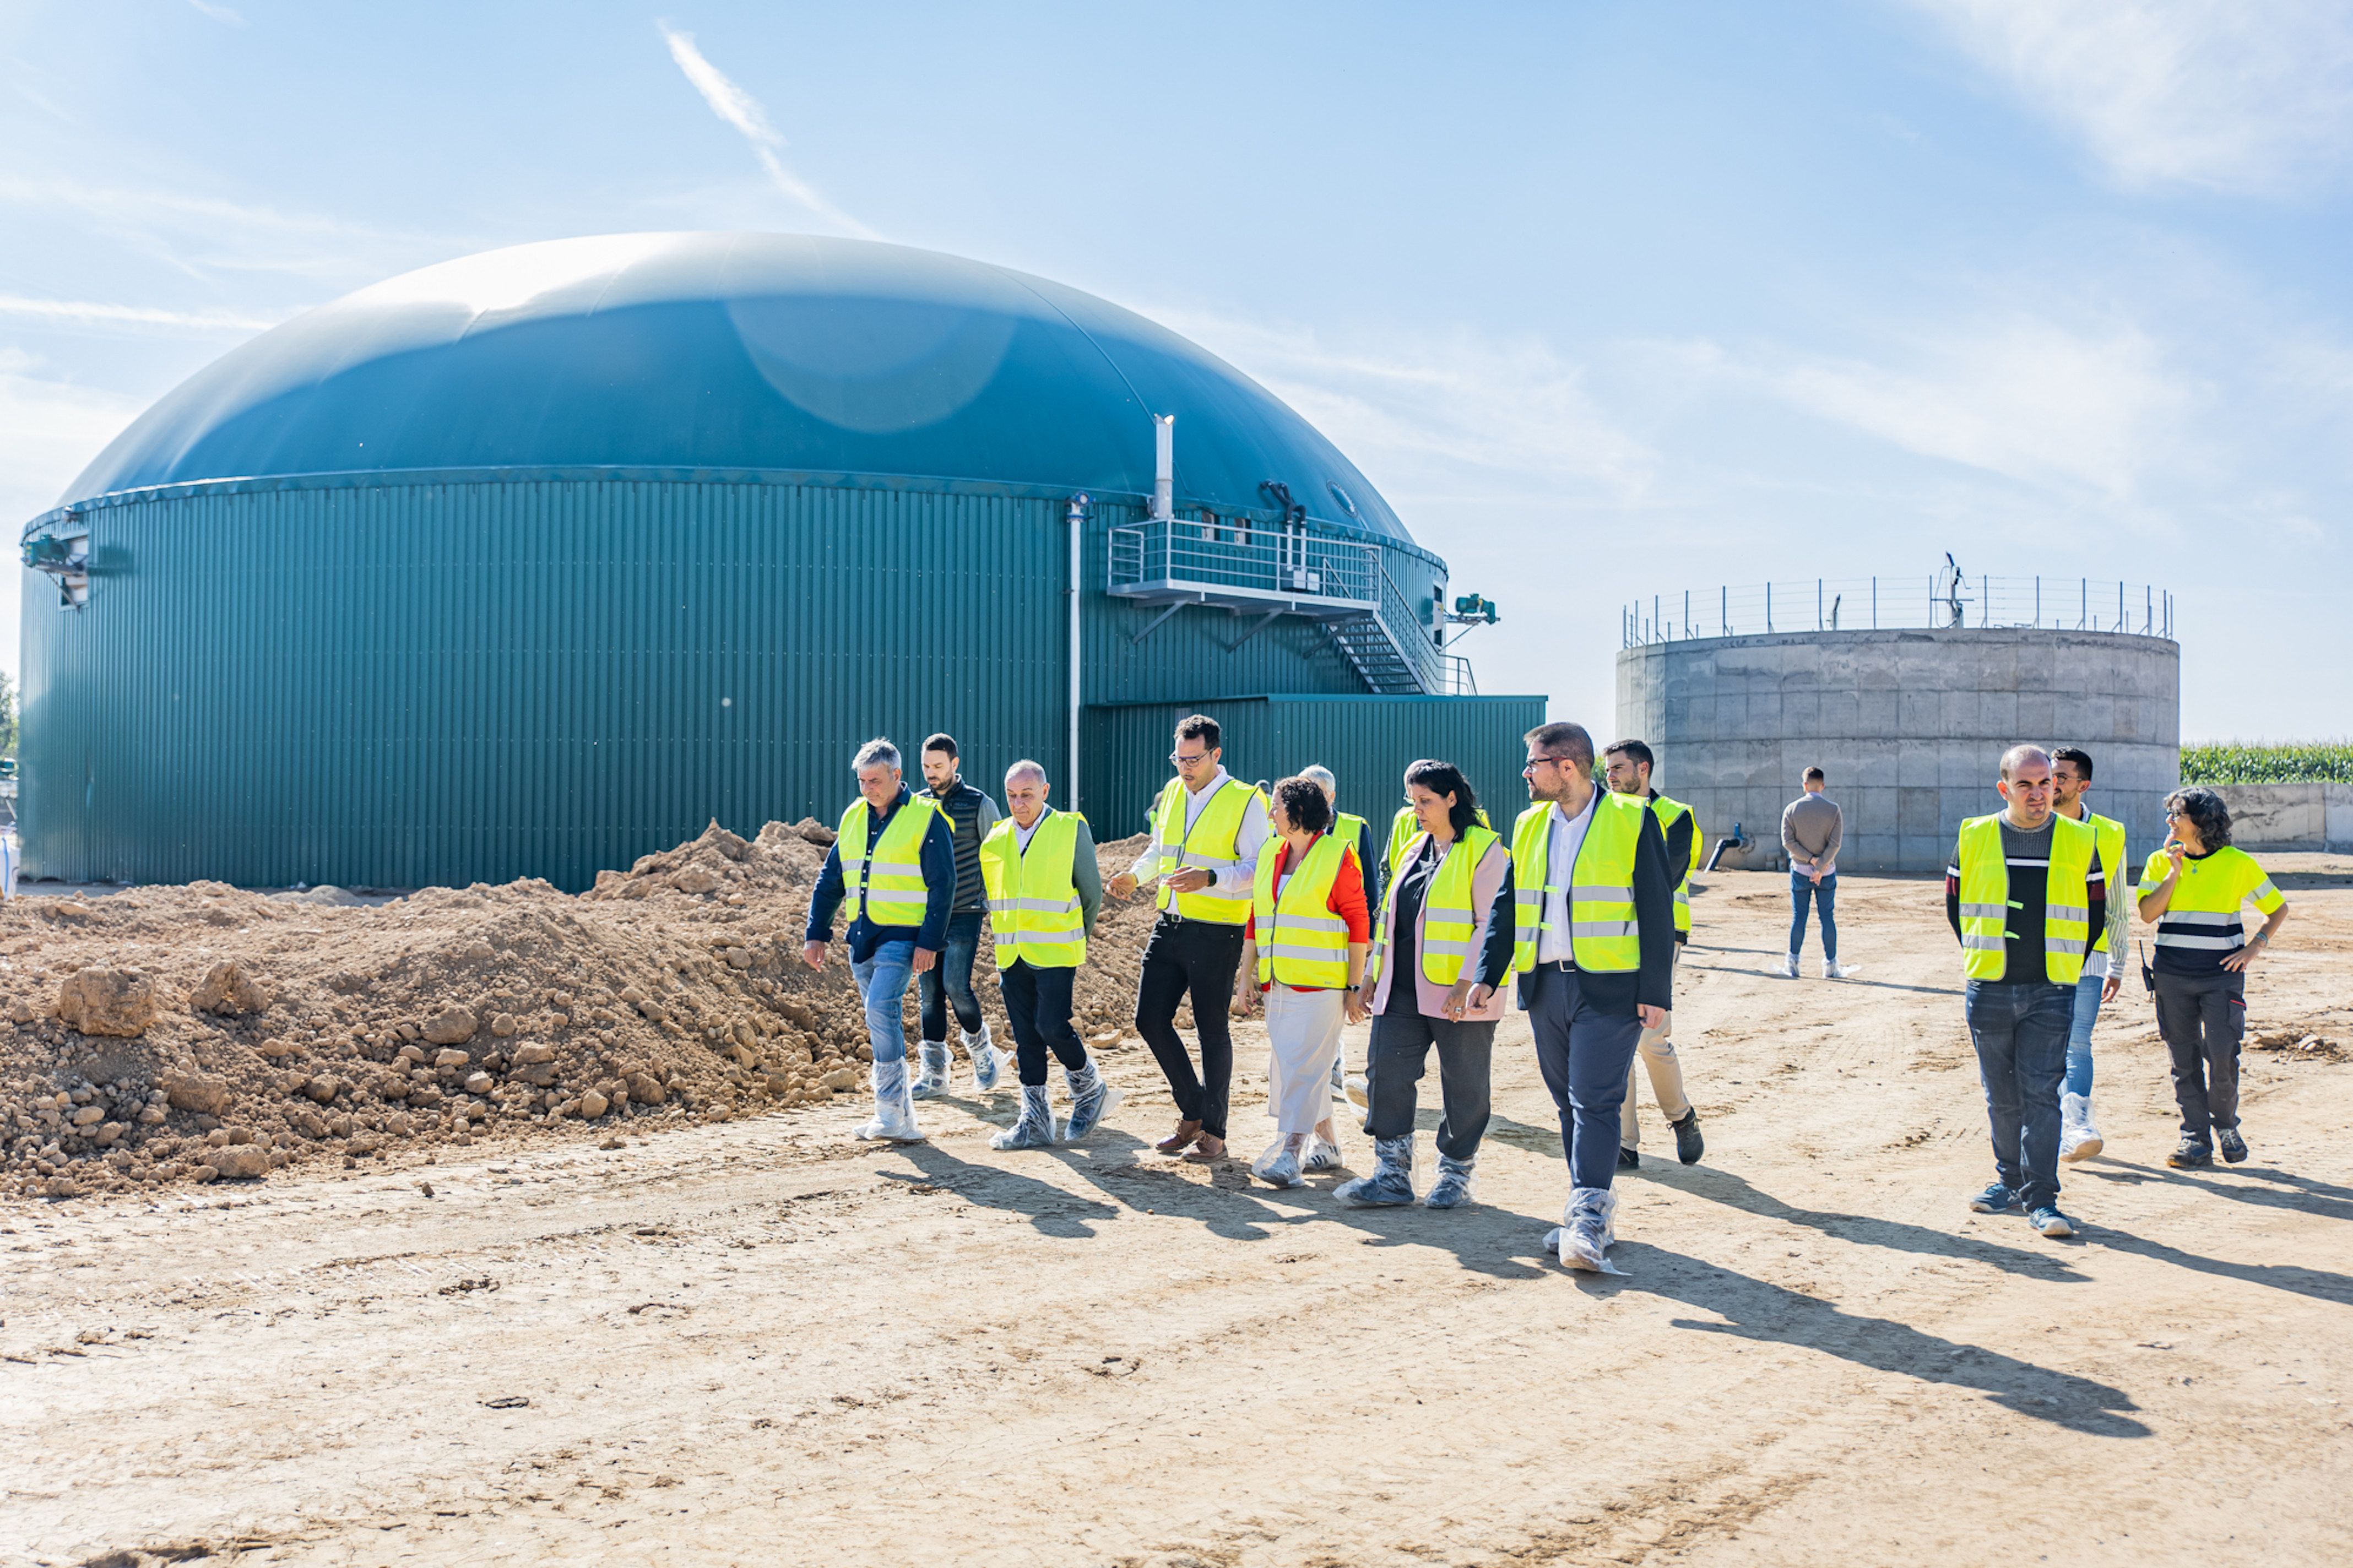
[
  {"x": 1437, "y": 415},
  {"x": 131, "y": 315},
  {"x": 224, "y": 15},
  {"x": 2220, "y": 94},
  {"x": 740, "y": 109},
  {"x": 49, "y": 430}
]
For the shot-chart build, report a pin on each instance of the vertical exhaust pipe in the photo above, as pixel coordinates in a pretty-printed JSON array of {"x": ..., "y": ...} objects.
[{"x": 1163, "y": 467}]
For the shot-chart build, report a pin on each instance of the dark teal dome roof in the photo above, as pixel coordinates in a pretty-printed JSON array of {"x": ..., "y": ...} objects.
[{"x": 734, "y": 354}]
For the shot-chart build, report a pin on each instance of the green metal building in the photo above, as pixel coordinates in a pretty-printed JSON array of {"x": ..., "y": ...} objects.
[{"x": 529, "y": 563}]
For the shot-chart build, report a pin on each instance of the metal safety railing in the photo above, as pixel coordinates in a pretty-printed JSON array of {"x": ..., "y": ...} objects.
[
  {"x": 1261, "y": 561},
  {"x": 1938, "y": 600}
]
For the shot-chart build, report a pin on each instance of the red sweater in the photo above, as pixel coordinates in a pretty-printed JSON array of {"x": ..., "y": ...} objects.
[{"x": 1347, "y": 899}]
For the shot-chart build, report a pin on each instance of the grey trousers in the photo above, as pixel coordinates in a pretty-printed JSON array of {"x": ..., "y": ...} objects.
[
  {"x": 2202, "y": 1018},
  {"x": 1399, "y": 1052}
]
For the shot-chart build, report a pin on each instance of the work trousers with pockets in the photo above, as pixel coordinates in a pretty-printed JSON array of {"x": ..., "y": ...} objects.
[
  {"x": 1656, "y": 1052},
  {"x": 1196, "y": 958},
  {"x": 2021, "y": 1033},
  {"x": 1038, "y": 1007},
  {"x": 948, "y": 982},
  {"x": 1399, "y": 1051},
  {"x": 1584, "y": 1055},
  {"x": 2202, "y": 1018}
]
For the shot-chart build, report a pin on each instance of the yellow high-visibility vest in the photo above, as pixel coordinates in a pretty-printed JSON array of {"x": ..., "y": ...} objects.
[
  {"x": 1033, "y": 898},
  {"x": 2202, "y": 916},
  {"x": 1986, "y": 901},
  {"x": 1349, "y": 829},
  {"x": 2109, "y": 834},
  {"x": 1450, "y": 924},
  {"x": 893, "y": 881},
  {"x": 1604, "y": 935},
  {"x": 1212, "y": 844},
  {"x": 1405, "y": 825},
  {"x": 1300, "y": 940},
  {"x": 1667, "y": 811}
]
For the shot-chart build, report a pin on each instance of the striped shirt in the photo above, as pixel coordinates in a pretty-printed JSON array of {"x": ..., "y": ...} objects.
[{"x": 2026, "y": 855}]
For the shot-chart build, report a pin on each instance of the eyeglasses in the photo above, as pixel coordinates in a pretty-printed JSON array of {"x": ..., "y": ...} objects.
[
  {"x": 2171, "y": 814},
  {"x": 1533, "y": 762},
  {"x": 1182, "y": 760}
]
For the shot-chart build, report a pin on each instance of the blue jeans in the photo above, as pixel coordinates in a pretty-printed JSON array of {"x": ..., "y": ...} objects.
[
  {"x": 2021, "y": 1033},
  {"x": 881, "y": 982},
  {"x": 2078, "y": 1037},
  {"x": 1804, "y": 889},
  {"x": 948, "y": 982}
]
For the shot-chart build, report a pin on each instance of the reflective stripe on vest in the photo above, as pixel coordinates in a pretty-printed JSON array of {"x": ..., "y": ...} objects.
[
  {"x": 2191, "y": 922},
  {"x": 1604, "y": 935},
  {"x": 1667, "y": 811},
  {"x": 1449, "y": 925},
  {"x": 1210, "y": 844},
  {"x": 1404, "y": 827},
  {"x": 1985, "y": 902},
  {"x": 1300, "y": 940},
  {"x": 1033, "y": 898},
  {"x": 893, "y": 883}
]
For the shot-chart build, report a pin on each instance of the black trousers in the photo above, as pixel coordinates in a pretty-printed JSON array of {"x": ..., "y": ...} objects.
[
  {"x": 2202, "y": 1018},
  {"x": 1038, "y": 1005},
  {"x": 1399, "y": 1053},
  {"x": 1198, "y": 957}
]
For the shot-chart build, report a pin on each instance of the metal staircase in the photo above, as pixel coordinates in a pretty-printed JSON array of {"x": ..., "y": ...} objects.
[{"x": 1381, "y": 663}]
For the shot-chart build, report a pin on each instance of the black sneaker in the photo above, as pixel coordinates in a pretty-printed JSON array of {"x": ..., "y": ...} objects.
[
  {"x": 1627, "y": 1160},
  {"x": 1689, "y": 1144},
  {"x": 2233, "y": 1147},
  {"x": 2191, "y": 1156}
]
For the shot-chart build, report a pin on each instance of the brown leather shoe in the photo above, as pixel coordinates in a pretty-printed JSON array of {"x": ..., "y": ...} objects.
[
  {"x": 1209, "y": 1146},
  {"x": 1177, "y": 1143}
]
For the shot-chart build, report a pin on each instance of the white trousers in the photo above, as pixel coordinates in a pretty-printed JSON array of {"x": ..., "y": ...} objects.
[{"x": 1302, "y": 1037}]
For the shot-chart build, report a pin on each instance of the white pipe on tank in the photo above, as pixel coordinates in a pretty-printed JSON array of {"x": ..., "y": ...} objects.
[
  {"x": 1163, "y": 467},
  {"x": 1078, "y": 516}
]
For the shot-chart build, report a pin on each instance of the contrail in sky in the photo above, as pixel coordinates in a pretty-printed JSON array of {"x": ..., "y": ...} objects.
[
  {"x": 85, "y": 311},
  {"x": 742, "y": 110}
]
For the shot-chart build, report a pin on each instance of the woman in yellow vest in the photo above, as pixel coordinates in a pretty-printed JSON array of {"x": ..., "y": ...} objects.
[
  {"x": 2192, "y": 889},
  {"x": 1304, "y": 950},
  {"x": 1039, "y": 867},
  {"x": 1445, "y": 925}
]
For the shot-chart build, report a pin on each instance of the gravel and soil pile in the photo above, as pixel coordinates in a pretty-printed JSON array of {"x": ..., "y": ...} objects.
[{"x": 201, "y": 1032}]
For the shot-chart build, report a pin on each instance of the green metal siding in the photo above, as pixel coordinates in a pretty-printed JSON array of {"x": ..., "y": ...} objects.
[
  {"x": 1366, "y": 742},
  {"x": 406, "y": 684}
]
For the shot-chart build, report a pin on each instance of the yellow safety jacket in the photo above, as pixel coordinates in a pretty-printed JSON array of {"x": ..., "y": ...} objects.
[
  {"x": 2202, "y": 921},
  {"x": 1604, "y": 935},
  {"x": 893, "y": 882},
  {"x": 1985, "y": 902},
  {"x": 1668, "y": 811},
  {"x": 1300, "y": 940},
  {"x": 1450, "y": 924},
  {"x": 2109, "y": 835},
  {"x": 1349, "y": 829},
  {"x": 1405, "y": 825},
  {"x": 1212, "y": 845},
  {"x": 1033, "y": 900}
]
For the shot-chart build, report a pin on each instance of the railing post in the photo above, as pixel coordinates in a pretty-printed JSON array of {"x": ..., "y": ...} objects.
[
  {"x": 1769, "y": 604},
  {"x": 1817, "y": 604},
  {"x": 1723, "y": 613},
  {"x": 2038, "y": 600},
  {"x": 1874, "y": 604}
]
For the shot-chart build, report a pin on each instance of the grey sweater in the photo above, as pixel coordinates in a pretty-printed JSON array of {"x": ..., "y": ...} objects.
[{"x": 1811, "y": 828}]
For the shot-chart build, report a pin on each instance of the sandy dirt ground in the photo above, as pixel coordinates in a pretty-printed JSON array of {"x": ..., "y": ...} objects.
[{"x": 759, "y": 1341}]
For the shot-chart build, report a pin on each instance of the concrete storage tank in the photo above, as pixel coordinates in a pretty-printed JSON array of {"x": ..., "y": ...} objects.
[
  {"x": 531, "y": 562},
  {"x": 1909, "y": 721}
]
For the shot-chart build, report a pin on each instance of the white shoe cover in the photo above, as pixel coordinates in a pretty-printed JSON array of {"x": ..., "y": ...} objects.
[
  {"x": 932, "y": 1075},
  {"x": 2078, "y": 1139},
  {"x": 1840, "y": 971},
  {"x": 987, "y": 1062},
  {"x": 894, "y": 1111},
  {"x": 1788, "y": 968},
  {"x": 1588, "y": 1228},
  {"x": 1279, "y": 1166},
  {"x": 1035, "y": 1127}
]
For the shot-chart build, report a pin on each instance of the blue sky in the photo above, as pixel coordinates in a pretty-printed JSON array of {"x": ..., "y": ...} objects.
[{"x": 1610, "y": 299}]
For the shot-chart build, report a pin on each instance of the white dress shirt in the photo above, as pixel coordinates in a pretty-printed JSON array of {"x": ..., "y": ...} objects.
[
  {"x": 1256, "y": 829},
  {"x": 1554, "y": 944}
]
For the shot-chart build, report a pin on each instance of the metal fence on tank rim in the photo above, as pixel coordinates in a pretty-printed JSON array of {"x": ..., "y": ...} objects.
[{"x": 1939, "y": 601}]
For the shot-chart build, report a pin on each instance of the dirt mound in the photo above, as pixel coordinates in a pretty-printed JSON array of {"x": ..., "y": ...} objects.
[{"x": 323, "y": 1025}]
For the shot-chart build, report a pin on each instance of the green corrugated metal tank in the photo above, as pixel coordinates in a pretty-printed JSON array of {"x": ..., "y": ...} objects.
[{"x": 529, "y": 563}]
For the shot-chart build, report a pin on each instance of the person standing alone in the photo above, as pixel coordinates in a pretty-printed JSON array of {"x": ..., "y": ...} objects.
[
  {"x": 2024, "y": 894},
  {"x": 1208, "y": 828},
  {"x": 948, "y": 984},
  {"x": 2071, "y": 780},
  {"x": 1811, "y": 828}
]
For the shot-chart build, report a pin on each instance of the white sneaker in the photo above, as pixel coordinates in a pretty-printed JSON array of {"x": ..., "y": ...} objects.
[
  {"x": 1788, "y": 968},
  {"x": 1321, "y": 1156},
  {"x": 1359, "y": 1092},
  {"x": 1840, "y": 971},
  {"x": 2078, "y": 1139}
]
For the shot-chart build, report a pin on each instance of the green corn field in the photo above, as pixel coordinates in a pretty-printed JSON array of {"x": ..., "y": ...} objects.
[{"x": 2239, "y": 761}]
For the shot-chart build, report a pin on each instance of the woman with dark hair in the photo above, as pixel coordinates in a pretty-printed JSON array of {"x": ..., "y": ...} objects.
[
  {"x": 1305, "y": 947},
  {"x": 2192, "y": 889},
  {"x": 1445, "y": 925}
]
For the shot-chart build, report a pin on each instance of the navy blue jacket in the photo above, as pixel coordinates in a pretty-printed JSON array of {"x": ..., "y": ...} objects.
[{"x": 939, "y": 890}]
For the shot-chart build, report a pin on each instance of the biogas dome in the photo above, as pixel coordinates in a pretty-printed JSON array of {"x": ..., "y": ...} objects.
[{"x": 528, "y": 564}]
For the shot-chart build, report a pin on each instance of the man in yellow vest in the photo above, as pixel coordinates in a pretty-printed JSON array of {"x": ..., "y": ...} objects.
[
  {"x": 893, "y": 863},
  {"x": 2071, "y": 780},
  {"x": 1043, "y": 888},
  {"x": 2025, "y": 893},
  {"x": 1208, "y": 828},
  {"x": 1627, "y": 769},
  {"x": 1593, "y": 943}
]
